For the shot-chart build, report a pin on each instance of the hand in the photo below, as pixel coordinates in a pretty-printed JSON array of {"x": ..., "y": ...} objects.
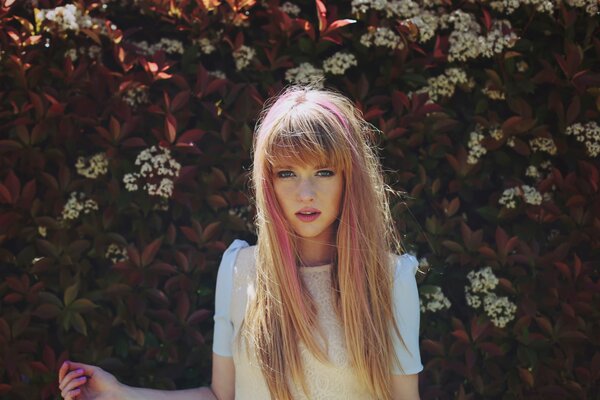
[{"x": 86, "y": 382}]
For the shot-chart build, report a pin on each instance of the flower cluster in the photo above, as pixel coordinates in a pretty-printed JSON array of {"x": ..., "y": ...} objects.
[
  {"x": 479, "y": 292},
  {"x": 169, "y": 46},
  {"x": 290, "y": 9},
  {"x": 543, "y": 144},
  {"x": 116, "y": 253},
  {"x": 591, "y": 6},
  {"x": 243, "y": 56},
  {"x": 543, "y": 6},
  {"x": 339, "y": 63},
  {"x": 217, "y": 73},
  {"x": 382, "y": 37},
  {"x": 157, "y": 171},
  {"x": 433, "y": 300},
  {"x": 444, "y": 85},
  {"x": 493, "y": 94},
  {"x": 528, "y": 193},
  {"x": 92, "y": 52},
  {"x": 427, "y": 23},
  {"x": 92, "y": 167},
  {"x": 305, "y": 74},
  {"x": 509, "y": 6},
  {"x": 69, "y": 18},
  {"x": 589, "y": 134},
  {"x": 137, "y": 95},
  {"x": 206, "y": 45},
  {"x": 466, "y": 40},
  {"x": 78, "y": 204},
  {"x": 476, "y": 150}
]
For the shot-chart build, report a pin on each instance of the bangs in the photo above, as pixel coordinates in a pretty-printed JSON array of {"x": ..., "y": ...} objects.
[{"x": 295, "y": 142}]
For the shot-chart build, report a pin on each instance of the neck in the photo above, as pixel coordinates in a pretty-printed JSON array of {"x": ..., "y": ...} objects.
[{"x": 314, "y": 252}]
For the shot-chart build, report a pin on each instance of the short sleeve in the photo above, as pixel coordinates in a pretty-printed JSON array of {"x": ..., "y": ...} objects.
[
  {"x": 223, "y": 331},
  {"x": 407, "y": 312}
]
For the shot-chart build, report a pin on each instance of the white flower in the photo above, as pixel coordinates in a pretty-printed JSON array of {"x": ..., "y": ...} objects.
[
  {"x": 589, "y": 134},
  {"x": 42, "y": 230},
  {"x": 427, "y": 23},
  {"x": 522, "y": 66},
  {"x": 496, "y": 132},
  {"x": 532, "y": 172},
  {"x": 170, "y": 46},
  {"x": 543, "y": 144},
  {"x": 116, "y": 253},
  {"x": 137, "y": 95},
  {"x": 305, "y": 74},
  {"x": 218, "y": 74},
  {"x": 509, "y": 6},
  {"x": 72, "y": 54},
  {"x": 511, "y": 141},
  {"x": 339, "y": 63},
  {"x": 482, "y": 281},
  {"x": 363, "y": 6},
  {"x": 444, "y": 85},
  {"x": 493, "y": 94},
  {"x": 434, "y": 300},
  {"x": 528, "y": 193},
  {"x": 382, "y": 37},
  {"x": 156, "y": 174},
  {"x": 69, "y": 18},
  {"x": 76, "y": 205},
  {"x": 500, "y": 310},
  {"x": 206, "y": 45},
  {"x": 243, "y": 56},
  {"x": 591, "y": 6},
  {"x": 290, "y": 9},
  {"x": 92, "y": 167},
  {"x": 476, "y": 150},
  {"x": 531, "y": 195},
  {"x": 466, "y": 40}
]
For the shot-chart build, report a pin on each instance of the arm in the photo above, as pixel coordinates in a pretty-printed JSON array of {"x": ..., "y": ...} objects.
[
  {"x": 82, "y": 381},
  {"x": 405, "y": 387}
]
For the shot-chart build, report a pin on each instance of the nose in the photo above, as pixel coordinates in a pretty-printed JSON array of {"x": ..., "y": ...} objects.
[{"x": 306, "y": 190}]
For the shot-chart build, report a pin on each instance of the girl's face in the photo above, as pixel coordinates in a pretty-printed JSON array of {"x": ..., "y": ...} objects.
[{"x": 310, "y": 196}]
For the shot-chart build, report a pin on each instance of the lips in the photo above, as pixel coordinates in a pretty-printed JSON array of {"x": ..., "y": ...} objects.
[{"x": 308, "y": 214}]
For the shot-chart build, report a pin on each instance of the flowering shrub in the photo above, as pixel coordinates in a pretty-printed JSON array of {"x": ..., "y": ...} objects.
[{"x": 126, "y": 134}]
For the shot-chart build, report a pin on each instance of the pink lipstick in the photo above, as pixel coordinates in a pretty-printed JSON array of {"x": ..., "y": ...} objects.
[{"x": 308, "y": 214}]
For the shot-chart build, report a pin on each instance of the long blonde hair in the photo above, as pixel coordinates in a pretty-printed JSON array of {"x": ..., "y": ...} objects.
[{"x": 317, "y": 125}]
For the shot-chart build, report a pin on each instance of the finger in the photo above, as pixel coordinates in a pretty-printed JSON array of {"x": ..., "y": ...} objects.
[
  {"x": 70, "y": 377},
  {"x": 64, "y": 368},
  {"x": 88, "y": 369},
  {"x": 72, "y": 394},
  {"x": 74, "y": 384}
]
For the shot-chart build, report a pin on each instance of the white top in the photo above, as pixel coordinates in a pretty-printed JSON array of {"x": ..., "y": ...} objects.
[{"x": 333, "y": 380}]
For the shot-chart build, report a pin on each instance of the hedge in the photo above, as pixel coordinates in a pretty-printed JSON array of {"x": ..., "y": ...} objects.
[{"x": 124, "y": 156}]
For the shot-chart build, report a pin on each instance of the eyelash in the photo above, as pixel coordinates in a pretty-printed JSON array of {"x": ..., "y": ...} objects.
[{"x": 289, "y": 174}]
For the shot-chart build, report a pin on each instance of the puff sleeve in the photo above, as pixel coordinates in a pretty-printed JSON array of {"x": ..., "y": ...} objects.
[
  {"x": 407, "y": 313},
  {"x": 223, "y": 330}
]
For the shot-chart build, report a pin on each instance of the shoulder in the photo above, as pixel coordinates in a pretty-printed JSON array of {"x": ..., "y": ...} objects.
[{"x": 404, "y": 266}]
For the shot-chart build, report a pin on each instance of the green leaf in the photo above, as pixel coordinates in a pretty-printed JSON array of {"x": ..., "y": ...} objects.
[{"x": 71, "y": 293}]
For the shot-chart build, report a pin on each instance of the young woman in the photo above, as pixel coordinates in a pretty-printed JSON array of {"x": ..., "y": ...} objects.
[{"x": 321, "y": 307}]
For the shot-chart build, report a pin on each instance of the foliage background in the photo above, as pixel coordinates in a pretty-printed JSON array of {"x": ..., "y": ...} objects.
[{"x": 125, "y": 279}]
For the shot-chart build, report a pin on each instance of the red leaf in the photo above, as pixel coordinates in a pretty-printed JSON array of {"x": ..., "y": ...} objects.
[
  {"x": 526, "y": 376},
  {"x": 5, "y": 196},
  {"x": 190, "y": 234},
  {"x": 192, "y": 135},
  {"x": 150, "y": 251},
  {"x": 180, "y": 100},
  {"x": 170, "y": 128},
  {"x": 338, "y": 24},
  {"x": 13, "y": 185},
  {"x": 321, "y": 15},
  {"x": 198, "y": 316},
  {"x": 487, "y": 19},
  {"x": 461, "y": 336}
]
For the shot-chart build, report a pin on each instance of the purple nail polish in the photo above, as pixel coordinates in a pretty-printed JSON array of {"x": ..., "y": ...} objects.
[{"x": 80, "y": 371}]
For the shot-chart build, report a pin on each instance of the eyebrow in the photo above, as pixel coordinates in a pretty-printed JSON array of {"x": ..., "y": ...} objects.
[{"x": 288, "y": 166}]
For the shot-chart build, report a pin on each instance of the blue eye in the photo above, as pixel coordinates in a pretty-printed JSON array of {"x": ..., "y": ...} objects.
[
  {"x": 285, "y": 174},
  {"x": 325, "y": 172}
]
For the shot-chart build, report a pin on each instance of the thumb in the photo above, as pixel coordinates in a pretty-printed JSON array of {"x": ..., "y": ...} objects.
[{"x": 87, "y": 369}]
